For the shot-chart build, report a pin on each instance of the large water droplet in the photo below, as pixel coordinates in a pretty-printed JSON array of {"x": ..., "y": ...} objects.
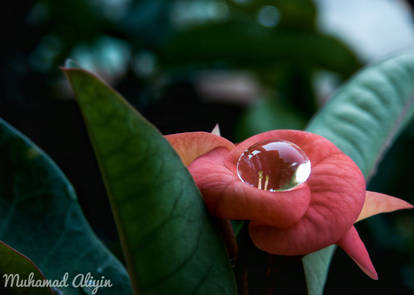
[{"x": 274, "y": 165}]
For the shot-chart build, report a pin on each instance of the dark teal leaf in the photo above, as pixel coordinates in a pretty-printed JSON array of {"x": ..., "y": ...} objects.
[
  {"x": 40, "y": 217},
  {"x": 168, "y": 239}
]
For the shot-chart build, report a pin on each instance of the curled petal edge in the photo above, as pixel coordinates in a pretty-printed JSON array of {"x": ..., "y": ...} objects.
[{"x": 190, "y": 145}]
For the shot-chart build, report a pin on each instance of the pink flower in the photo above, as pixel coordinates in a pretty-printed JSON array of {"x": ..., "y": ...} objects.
[{"x": 289, "y": 213}]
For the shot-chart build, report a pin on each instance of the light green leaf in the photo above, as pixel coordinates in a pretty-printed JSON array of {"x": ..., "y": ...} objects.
[
  {"x": 168, "y": 238},
  {"x": 14, "y": 266},
  {"x": 40, "y": 217},
  {"x": 316, "y": 267},
  {"x": 363, "y": 119}
]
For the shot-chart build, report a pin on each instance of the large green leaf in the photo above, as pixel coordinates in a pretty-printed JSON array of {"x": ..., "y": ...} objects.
[
  {"x": 40, "y": 217},
  {"x": 249, "y": 44},
  {"x": 168, "y": 239},
  {"x": 363, "y": 119},
  {"x": 17, "y": 267}
]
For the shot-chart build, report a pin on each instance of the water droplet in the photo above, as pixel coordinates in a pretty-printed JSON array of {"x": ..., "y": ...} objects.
[{"x": 274, "y": 165}]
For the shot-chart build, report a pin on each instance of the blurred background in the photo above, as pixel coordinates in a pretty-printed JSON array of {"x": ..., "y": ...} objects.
[{"x": 249, "y": 65}]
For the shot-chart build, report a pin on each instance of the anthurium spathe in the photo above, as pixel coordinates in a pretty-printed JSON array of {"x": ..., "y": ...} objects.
[{"x": 311, "y": 204}]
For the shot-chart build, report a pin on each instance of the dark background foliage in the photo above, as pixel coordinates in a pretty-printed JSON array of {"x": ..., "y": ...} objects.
[{"x": 250, "y": 66}]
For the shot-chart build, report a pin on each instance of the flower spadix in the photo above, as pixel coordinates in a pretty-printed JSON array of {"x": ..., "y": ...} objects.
[{"x": 298, "y": 190}]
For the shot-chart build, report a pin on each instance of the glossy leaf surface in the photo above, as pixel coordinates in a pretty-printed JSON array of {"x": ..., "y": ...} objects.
[{"x": 168, "y": 239}]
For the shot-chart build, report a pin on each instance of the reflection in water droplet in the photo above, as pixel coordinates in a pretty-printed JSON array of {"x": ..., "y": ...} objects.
[{"x": 274, "y": 166}]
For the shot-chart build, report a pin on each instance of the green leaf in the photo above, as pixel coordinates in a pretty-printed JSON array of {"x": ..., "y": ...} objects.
[
  {"x": 249, "y": 44},
  {"x": 268, "y": 114},
  {"x": 40, "y": 217},
  {"x": 316, "y": 267},
  {"x": 168, "y": 238},
  {"x": 17, "y": 266},
  {"x": 363, "y": 119}
]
